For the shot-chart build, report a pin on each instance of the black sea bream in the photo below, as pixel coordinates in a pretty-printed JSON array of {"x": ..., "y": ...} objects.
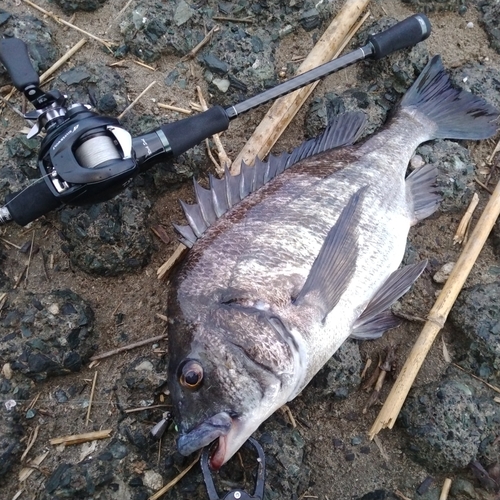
[{"x": 293, "y": 256}]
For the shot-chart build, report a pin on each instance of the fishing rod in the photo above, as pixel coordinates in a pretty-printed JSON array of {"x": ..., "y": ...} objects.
[{"x": 85, "y": 158}]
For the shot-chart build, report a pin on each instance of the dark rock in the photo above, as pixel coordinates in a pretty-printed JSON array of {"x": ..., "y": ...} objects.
[
  {"x": 70, "y": 6},
  {"x": 4, "y": 16},
  {"x": 476, "y": 314},
  {"x": 109, "y": 238},
  {"x": 310, "y": 19},
  {"x": 95, "y": 84},
  {"x": 340, "y": 376},
  {"x": 438, "y": 5},
  {"x": 456, "y": 172},
  {"x": 446, "y": 423},
  {"x": 491, "y": 23},
  {"x": 216, "y": 65},
  {"x": 37, "y": 36},
  {"x": 379, "y": 495},
  {"x": 59, "y": 343}
]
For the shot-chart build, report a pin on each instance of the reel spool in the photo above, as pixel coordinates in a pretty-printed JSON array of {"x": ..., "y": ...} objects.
[{"x": 96, "y": 150}]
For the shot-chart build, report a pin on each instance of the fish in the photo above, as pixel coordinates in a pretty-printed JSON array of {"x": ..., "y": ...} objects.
[{"x": 295, "y": 255}]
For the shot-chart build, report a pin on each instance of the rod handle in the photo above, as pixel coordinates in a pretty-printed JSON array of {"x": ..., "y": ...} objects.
[
  {"x": 14, "y": 56},
  {"x": 402, "y": 35}
]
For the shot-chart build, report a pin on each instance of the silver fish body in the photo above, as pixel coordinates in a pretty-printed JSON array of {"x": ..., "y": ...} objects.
[{"x": 274, "y": 284}]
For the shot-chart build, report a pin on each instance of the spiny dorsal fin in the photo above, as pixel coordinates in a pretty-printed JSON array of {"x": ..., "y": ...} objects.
[
  {"x": 376, "y": 318},
  {"x": 336, "y": 262},
  {"x": 225, "y": 193}
]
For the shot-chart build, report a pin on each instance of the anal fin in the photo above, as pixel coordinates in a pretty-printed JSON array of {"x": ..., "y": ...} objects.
[
  {"x": 377, "y": 318},
  {"x": 335, "y": 264}
]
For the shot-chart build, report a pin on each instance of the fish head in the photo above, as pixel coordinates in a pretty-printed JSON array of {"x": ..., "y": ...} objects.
[{"x": 228, "y": 372}]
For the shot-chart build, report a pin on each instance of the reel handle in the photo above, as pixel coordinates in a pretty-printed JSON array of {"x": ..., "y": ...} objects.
[
  {"x": 402, "y": 35},
  {"x": 14, "y": 56}
]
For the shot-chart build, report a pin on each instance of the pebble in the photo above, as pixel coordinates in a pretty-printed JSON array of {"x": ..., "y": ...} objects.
[
  {"x": 444, "y": 272},
  {"x": 416, "y": 162}
]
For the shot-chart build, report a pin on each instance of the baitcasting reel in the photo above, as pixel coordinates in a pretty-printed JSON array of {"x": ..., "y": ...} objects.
[{"x": 86, "y": 158}]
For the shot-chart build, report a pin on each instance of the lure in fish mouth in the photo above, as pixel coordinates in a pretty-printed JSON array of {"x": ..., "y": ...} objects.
[{"x": 295, "y": 255}]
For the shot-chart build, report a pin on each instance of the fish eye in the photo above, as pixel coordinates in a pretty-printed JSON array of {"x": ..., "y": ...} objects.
[{"x": 191, "y": 374}]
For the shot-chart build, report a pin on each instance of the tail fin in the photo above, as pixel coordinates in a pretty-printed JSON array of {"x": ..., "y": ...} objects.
[{"x": 458, "y": 114}]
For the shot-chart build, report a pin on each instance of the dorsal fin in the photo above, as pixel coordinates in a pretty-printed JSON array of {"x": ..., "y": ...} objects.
[{"x": 224, "y": 193}]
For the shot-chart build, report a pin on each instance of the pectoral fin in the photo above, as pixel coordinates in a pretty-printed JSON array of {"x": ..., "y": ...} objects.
[
  {"x": 336, "y": 262},
  {"x": 376, "y": 318}
]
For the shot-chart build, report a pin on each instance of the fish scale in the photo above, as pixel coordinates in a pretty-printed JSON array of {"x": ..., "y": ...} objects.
[{"x": 281, "y": 273}]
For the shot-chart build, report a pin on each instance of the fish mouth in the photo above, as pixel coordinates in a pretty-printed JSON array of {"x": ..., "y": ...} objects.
[{"x": 216, "y": 427}]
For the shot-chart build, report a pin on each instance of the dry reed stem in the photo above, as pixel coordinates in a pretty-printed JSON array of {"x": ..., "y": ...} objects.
[
  {"x": 178, "y": 254},
  {"x": 66, "y": 23},
  {"x": 437, "y": 315},
  {"x": 192, "y": 53},
  {"x": 445, "y": 490},
  {"x": 176, "y": 479},
  {"x": 71, "y": 52},
  {"x": 225, "y": 162},
  {"x": 81, "y": 438},
  {"x": 461, "y": 233},
  {"x": 87, "y": 418},
  {"x": 127, "y": 347},
  {"x": 135, "y": 101},
  {"x": 174, "y": 108}
]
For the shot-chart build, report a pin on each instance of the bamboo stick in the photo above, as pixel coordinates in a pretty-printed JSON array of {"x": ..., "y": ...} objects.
[
  {"x": 285, "y": 108},
  {"x": 446, "y": 489},
  {"x": 62, "y": 60},
  {"x": 81, "y": 438},
  {"x": 437, "y": 316}
]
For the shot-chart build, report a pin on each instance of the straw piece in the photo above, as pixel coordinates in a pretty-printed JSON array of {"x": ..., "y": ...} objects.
[
  {"x": 446, "y": 489},
  {"x": 135, "y": 101},
  {"x": 437, "y": 316},
  {"x": 81, "y": 438},
  {"x": 62, "y": 60},
  {"x": 165, "y": 269}
]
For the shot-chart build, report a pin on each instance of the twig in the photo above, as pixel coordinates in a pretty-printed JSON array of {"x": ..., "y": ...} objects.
[
  {"x": 62, "y": 60},
  {"x": 10, "y": 243},
  {"x": 81, "y": 438},
  {"x": 87, "y": 419},
  {"x": 438, "y": 314},
  {"x": 286, "y": 410},
  {"x": 115, "y": 310},
  {"x": 174, "y": 108},
  {"x": 224, "y": 159},
  {"x": 141, "y": 408},
  {"x": 162, "y": 317},
  {"x": 400, "y": 495},
  {"x": 120, "y": 14},
  {"x": 176, "y": 479},
  {"x": 32, "y": 465},
  {"x": 29, "y": 260},
  {"x": 21, "y": 276},
  {"x": 165, "y": 269},
  {"x": 3, "y": 299},
  {"x": 495, "y": 151},
  {"x": 192, "y": 53},
  {"x": 460, "y": 235},
  {"x": 445, "y": 490},
  {"x": 33, "y": 401},
  {"x": 143, "y": 65},
  {"x": 66, "y": 23},
  {"x": 233, "y": 19},
  {"x": 134, "y": 102},
  {"x": 484, "y": 186},
  {"x": 127, "y": 347},
  {"x": 31, "y": 442},
  {"x": 492, "y": 387}
]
